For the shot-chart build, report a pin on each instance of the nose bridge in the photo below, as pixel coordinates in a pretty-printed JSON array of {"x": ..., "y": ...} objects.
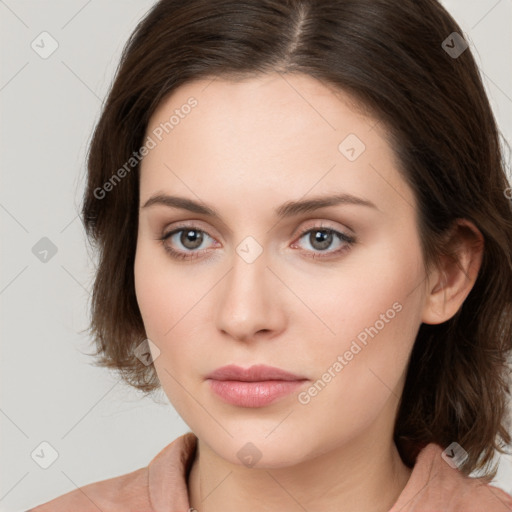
[{"x": 249, "y": 302}]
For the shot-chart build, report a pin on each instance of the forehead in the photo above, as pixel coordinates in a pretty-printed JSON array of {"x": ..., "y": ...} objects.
[
  {"x": 263, "y": 133},
  {"x": 279, "y": 105}
]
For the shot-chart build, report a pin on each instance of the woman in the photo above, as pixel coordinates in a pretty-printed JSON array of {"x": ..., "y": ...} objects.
[{"x": 304, "y": 233}]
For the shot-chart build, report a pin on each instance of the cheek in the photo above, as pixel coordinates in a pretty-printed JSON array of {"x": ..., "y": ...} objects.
[
  {"x": 163, "y": 297},
  {"x": 160, "y": 311},
  {"x": 168, "y": 302},
  {"x": 375, "y": 300},
  {"x": 379, "y": 287},
  {"x": 357, "y": 380},
  {"x": 157, "y": 304},
  {"x": 150, "y": 297},
  {"x": 375, "y": 314}
]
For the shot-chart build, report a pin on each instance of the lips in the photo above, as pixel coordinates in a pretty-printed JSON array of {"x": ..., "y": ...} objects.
[
  {"x": 256, "y": 386},
  {"x": 255, "y": 373}
]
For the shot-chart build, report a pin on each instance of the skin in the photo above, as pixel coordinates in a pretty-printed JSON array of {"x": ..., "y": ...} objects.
[{"x": 245, "y": 149}]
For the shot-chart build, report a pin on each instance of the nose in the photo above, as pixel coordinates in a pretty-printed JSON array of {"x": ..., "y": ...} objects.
[{"x": 250, "y": 304}]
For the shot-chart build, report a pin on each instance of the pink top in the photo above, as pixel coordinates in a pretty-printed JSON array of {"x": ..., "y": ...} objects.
[{"x": 434, "y": 486}]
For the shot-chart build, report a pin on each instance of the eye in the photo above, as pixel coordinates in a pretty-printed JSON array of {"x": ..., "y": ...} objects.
[
  {"x": 189, "y": 237},
  {"x": 321, "y": 238}
]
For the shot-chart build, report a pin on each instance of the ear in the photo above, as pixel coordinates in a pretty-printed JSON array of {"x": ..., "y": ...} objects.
[{"x": 450, "y": 282}]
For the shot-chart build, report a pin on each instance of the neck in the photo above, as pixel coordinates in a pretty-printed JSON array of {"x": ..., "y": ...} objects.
[{"x": 353, "y": 477}]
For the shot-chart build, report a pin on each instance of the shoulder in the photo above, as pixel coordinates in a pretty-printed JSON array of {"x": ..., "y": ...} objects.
[
  {"x": 161, "y": 485},
  {"x": 435, "y": 484},
  {"x": 124, "y": 493}
]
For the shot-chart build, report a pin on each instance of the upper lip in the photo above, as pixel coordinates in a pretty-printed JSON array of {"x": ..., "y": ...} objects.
[{"x": 255, "y": 373}]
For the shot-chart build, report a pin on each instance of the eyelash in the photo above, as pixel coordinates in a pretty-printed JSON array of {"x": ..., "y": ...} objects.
[{"x": 190, "y": 255}]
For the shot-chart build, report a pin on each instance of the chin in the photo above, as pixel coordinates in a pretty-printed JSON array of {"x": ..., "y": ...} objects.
[{"x": 253, "y": 449}]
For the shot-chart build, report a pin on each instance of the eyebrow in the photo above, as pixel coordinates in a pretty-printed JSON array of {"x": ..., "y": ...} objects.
[{"x": 288, "y": 209}]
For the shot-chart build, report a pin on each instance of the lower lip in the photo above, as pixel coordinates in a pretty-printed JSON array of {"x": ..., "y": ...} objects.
[{"x": 253, "y": 394}]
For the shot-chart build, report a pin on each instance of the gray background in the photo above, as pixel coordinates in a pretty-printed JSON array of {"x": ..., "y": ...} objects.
[{"x": 99, "y": 427}]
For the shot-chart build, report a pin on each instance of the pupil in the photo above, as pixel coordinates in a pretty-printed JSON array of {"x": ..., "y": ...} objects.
[
  {"x": 191, "y": 236},
  {"x": 322, "y": 238}
]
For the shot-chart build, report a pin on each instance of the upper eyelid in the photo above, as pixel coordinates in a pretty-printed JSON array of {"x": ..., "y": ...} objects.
[
  {"x": 314, "y": 224},
  {"x": 298, "y": 234},
  {"x": 179, "y": 227}
]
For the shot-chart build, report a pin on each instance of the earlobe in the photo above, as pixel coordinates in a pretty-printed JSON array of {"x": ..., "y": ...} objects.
[{"x": 451, "y": 282}]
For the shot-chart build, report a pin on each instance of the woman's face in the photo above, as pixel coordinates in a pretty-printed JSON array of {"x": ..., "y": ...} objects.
[{"x": 262, "y": 282}]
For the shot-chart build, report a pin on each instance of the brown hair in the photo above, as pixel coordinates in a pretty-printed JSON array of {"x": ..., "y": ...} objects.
[{"x": 389, "y": 56}]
